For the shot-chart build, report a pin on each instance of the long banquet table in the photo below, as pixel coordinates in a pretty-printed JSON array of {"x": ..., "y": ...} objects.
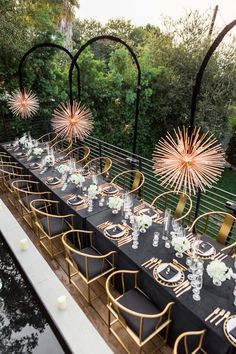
[{"x": 187, "y": 314}]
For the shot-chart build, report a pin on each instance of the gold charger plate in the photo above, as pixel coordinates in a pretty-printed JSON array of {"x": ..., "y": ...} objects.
[
  {"x": 226, "y": 325},
  {"x": 168, "y": 283}
]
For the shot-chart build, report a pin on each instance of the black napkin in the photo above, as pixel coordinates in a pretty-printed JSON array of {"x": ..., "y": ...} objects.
[
  {"x": 76, "y": 199},
  {"x": 233, "y": 332},
  {"x": 114, "y": 230},
  {"x": 172, "y": 272},
  {"x": 110, "y": 189},
  {"x": 204, "y": 247},
  {"x": 149, "y": 212}
]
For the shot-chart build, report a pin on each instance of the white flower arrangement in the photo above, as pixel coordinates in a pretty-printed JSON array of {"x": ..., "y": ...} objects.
[
  {"x": 62, "y": 169},
  {"x": 180, "y": 244},
  {"x": 49, "y": 159},
  {"x": 93, "y": 190},
  {"x": 23, "y": 140},
  {"x": 28, "y": 144},
  {"x": 144, "y": 221},
  {"x": 115, "y": 203},
  {"x": 37, "y": 151},
  {"x": 76, "y": 178},
  {"x": 219, "y": 271}
]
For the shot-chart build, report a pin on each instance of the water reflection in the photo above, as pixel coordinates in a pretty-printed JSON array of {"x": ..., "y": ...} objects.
[{"x": 22, "y": 325}]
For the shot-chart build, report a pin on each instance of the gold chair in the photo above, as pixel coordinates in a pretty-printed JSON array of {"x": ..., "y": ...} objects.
[
  {"x": 101, "y": 165},
  {"x": 50, "y": 138},
  {"x": 184, "y": 336},
  {"x": 80, "y": 154},
  {"x": 9, "y": 174},
  {"x": 225, "y": 226},
  {"x": 62, "y": 146},
  {"x": 184, "y": 200},
  {"x": 50, "y": 224},
  {"x": 87, "y": 262},
  {"x": 5, "y": 158},
  {"x": 26, "y": 195},
  {"x": 135, "y": 312},
  {"x": 131, "y": 180}
]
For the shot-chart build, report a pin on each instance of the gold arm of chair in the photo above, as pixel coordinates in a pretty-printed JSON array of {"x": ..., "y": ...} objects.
[
  {"x": 209, "y": 214},
  {"x": 188, "y": 334},
  {"x": 229, "y": 247}
]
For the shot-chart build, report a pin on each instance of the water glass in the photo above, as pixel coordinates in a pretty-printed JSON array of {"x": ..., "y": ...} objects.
[
  {"x": 156, "y": 239},
  {"x": 234, "y": 295}
]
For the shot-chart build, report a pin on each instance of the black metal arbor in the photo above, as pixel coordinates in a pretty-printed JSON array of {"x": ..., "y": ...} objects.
[
  {"x": 49, "y": 45},
  {"x": 197, "y": 85},
  {"x": 138, "y": 87}
]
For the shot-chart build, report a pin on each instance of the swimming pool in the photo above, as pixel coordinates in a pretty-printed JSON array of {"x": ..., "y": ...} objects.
[{"x": 23, "y": 325}]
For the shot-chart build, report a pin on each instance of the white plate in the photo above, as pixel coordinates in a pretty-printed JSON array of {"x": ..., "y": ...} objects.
[
  {"x": 142, "y": 212},
  {"x": 208, "y": 253},
  {"x": 175, "y": 278},
  {"x": 106, "y": 190},
  {"x": 231, "y": 324},
  {"x": 70, "y": 201},
  {"x": 53, "y": 183},
  {"x": 120, "y": 234}
]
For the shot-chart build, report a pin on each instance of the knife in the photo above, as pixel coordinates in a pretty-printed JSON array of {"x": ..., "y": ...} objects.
[
  {"x": 226, "y": 315},
  {"x": 182, "y": 292},
  {"x": 221, "y": 313}
]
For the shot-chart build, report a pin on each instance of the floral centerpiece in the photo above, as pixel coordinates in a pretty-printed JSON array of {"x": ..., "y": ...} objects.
[
  {"x": 115, "y": 203},
  {"x": 218, "y": 271},
  {"x": 37, "y": 151},
  {"x": 180, "y": 244},
  {"x": 62, "y": 169},
  {"x": 76, "y": 179},
  {"x": 49, "y": 160},
  {"x": 23, "y": 140},
  {"x": 93, "y": 190},
  {"x": 144, "y": 222}
]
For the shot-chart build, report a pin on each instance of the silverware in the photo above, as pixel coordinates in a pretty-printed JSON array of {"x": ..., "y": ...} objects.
[
  {"x": 221, "y": 313},
  {"x": 226, "y": 315},
  {"x": 222, "y": 256},
  {"x": 183, "y": 287},
  {"x": 183, "y": 291},
  {"x": 149, "y": 260},
  {"x": 215, "y": 312},
  {"x": 155, "y": 264},
  {"x": 150, "y": 263},
  {"x": 217, "y": 255},
  {"x": 127, "y": 240},
  {"x": 180, "y": 265},
  {"x": 180, "y": 285}
]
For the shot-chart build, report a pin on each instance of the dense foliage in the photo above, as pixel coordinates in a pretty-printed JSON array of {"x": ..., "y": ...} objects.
[{"x": 169, "y": 61}]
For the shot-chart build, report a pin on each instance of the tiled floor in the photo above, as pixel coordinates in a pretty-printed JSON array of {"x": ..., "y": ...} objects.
[{"x": 98, "y": 317}]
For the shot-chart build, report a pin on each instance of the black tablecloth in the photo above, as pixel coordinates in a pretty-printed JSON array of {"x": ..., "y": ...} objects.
[{"x": 187, "y": 314}]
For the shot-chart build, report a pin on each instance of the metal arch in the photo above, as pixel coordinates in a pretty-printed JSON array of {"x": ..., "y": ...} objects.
[
  {"x": 50, "y": 45},
  {"x": 138, "y": 88},
  {"x": 198, "y": 81}
]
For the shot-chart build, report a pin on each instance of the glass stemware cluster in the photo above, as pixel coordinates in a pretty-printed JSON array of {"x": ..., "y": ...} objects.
[{"x": 196, "y": 268}]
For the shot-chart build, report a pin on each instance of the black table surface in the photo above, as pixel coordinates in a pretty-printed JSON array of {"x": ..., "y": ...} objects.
[{"x": 187, "y": 314}]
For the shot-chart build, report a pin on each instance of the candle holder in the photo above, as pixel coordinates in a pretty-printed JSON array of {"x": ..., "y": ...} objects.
[
  {"x": 24, "y": 244},
  {"x": 61, "y": 302}
]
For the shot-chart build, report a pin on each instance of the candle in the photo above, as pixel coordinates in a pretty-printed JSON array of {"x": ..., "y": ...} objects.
[
  {"x": 61, "y": 302},
  {"x": 24, "y": 244}
]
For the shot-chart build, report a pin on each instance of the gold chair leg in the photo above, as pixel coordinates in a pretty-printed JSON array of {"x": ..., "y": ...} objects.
[{"x": 89, "y": 296}]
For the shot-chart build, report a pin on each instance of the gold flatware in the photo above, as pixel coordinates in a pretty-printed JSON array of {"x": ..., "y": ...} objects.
[
  {"x": 184, "y": 291},
  {"x": 226, "y": 315},
  {"x": 180, "y": 265},
  {"x": 215, "y": 312},
  {"x": 150, "y": 263},
  {"x": 149, "y": 260},
  {"x": 221, "y": 313},
  {"x": 222, "y": 256},
  {"x": 125, "y": 241},
  {"x": 217, "y": 255},
  {"x": 82, "y": 206},
  {"x": 104, "y": 225},
  {"x": 180, "y": 285},
  {"x": 183, "y": 287},
  {"x": 155, "y": 264}
]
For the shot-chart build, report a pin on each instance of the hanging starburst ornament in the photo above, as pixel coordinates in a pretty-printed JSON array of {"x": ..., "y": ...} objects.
[
  {"x": 23, "y": 103},
  {"x": 72, "y": 121},
  {"x": 188, "y": 161}
]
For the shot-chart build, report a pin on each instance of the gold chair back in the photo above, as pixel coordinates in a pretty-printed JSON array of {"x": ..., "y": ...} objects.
[
  {"x": 225, "y": 227},
  {"x": 50, "y": 138},
  {"x": 62, "y": 146},
  {"x": 133, "y": 178},
  {"x": 184, "y": 336},
  {"x": 102, "y": 165},
  {"x": 183, "y": 201},
  {"x": 80, "y": 154}
]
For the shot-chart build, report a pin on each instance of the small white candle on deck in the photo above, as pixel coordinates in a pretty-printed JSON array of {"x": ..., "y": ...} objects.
[
  {"x": 61, "y": 302},
  {"x": 24, "y": 244}
]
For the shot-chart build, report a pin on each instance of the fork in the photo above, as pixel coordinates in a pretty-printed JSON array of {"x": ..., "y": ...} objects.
[
  {"x": 226, "y": 315},
  {"x": 221, "y": 313},
  {"x": 215, "y": 312},
  {"x": 127, "y": 239}
]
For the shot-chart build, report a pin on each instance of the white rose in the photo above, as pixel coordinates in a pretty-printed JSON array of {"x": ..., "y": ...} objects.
[
  {"x": 144, "y": 221},
  {"x": 115, "y": 203}
]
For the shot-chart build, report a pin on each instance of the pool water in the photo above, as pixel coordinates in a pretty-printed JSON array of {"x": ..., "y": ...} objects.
[{"x": 23, "y": 327}]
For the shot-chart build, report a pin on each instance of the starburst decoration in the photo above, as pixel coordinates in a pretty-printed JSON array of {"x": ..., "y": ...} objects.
[
  {"x": 188, "y": 161},
  {"x": 23, "y": 103},
  {"x": 72, "y": 121}
]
